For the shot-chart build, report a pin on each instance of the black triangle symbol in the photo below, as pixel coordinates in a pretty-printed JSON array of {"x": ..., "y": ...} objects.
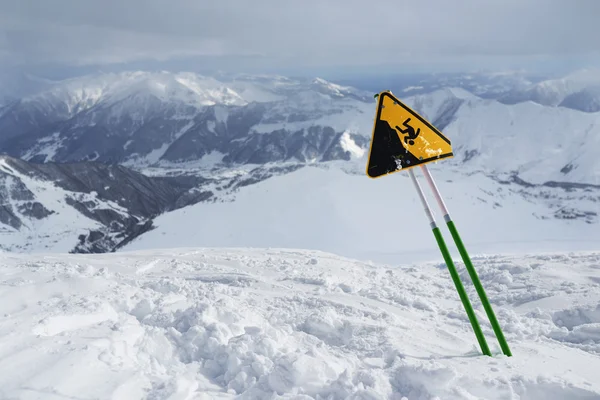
[{"x": 387, "y": 153}]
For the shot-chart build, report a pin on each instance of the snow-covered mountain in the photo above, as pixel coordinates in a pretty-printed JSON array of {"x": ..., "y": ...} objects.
[
  {"x": 165, "y": 119},
  {"x": 587, "y": 99},
  {"x": 215, "y": 139},
  {"x": 93, "y": 207},
  {"x": 483, "y": 84},
  {"x": 510, "y": 87},
  {"x": 538, "y": 143},
  {"x": 486, "y": 84},
  {"x": 579, "y": 90},
  {"x": 85, "y": 207},
  {"x": 142, "y": 118}
]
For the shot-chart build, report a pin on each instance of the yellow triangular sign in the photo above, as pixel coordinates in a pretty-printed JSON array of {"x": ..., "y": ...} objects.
[{"x": 402, "y": 139}]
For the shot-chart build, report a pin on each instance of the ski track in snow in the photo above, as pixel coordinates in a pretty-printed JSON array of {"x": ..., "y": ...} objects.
[{"x": 283, "y": 324}]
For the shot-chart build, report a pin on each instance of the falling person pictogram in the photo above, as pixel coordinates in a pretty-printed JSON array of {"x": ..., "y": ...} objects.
[{"x": 412, "y": 135}]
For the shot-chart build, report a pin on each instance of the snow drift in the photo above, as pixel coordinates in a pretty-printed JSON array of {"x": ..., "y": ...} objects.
[{"x": 284, "y": 324}]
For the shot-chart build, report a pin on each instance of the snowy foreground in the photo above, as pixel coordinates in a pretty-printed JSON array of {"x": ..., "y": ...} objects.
[{"x": 267, "y": 324}]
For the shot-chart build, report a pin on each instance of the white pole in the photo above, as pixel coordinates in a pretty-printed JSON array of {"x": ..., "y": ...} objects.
[
  {"x": 423, "y": 199},
  {"x": 436, "y": 192}
]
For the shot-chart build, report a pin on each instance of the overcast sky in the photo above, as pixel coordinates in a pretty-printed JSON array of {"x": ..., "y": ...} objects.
[{"x": 236, "y": 34}]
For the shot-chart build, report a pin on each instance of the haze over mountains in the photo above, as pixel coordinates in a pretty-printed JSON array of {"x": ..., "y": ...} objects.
[{"x": 208, "y": 139}]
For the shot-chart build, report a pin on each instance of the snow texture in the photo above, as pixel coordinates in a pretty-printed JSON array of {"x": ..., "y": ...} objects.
[{"x": 285, "y": 324}]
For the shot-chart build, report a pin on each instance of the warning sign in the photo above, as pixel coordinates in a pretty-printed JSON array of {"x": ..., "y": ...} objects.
[{"x": 402, "y": 139}]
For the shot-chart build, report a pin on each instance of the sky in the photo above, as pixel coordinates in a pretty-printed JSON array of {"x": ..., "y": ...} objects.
[{"x": 271, "y": 35}]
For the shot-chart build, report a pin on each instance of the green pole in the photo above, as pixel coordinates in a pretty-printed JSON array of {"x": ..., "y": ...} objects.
[
  {"x": 452, "y": 268},
  {"x": 468, "y": 264},
  {"x": 479, "y": 287}
]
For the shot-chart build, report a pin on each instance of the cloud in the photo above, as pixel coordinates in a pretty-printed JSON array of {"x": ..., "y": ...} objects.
[{"x": 299, "y": 32}]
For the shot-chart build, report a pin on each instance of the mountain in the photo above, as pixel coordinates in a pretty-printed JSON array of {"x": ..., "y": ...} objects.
[
  {"x": 209, "y": 144},
  {"x": 587, "y": 99},
  {"x": 142, "y": 118},
  {"x": 481, "y": 83},
  {"x": 537, "y": 143},
  {"x": 578, "y": 90},
  {"x": 83, "y": 207},
  {"x": 93, "y": 207}
]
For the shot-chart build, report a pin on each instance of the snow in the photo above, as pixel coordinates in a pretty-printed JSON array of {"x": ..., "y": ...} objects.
[
  {"x": 320, "y": 110},
  {"x": 460, "y": 93},
  {"x": 58, "y": 231},
  {"x": 553, "y": 91},
  {"x": 333, "y": 88},
  {"x": 204, "y": 323},
  {"x": 110, "y": 90},
  {"x": 339, "y": 210},
  {"x": 150, "y": 158},
  {"x": 412, "y": 88},
  {"x": 534, "y": 140},
  {"x": 434, "y": 104},
  {"x": 47, "y": 147},
  {"x": 206, "y": 162},
  {"x": 350, "y": 145},
  {"x": 221, "y": 114},
  {"x": 154, "y": 156},
  {"x": 253, "y": 93},
  {"x": 138, "y": 87}
]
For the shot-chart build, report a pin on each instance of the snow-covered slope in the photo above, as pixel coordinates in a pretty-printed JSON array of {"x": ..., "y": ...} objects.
[
  {"x": 587, "y": 99},
  {"x": 278, "y": 324},
  {"x": 84, "y": 207},
  {"x": 35, "y": 214},
  {"x": 539, "y": 143},
  {"x": 337, "y": 208}
]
